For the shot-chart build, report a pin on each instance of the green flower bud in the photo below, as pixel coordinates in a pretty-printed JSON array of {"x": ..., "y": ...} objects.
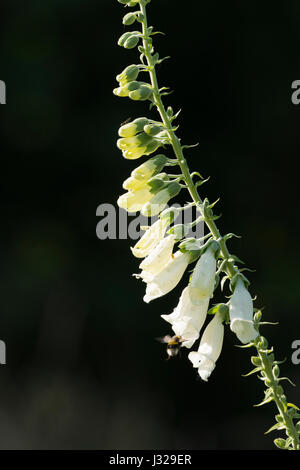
[
  {"x": 124, "y": 38},
  {"x": 126, "y": 89},
  {"x": 129, "y": 74},
  {"x": 279, "y": 418},
  {"x": 279, "y": 390},
  {"x": 129, "y": 19},
  {"x": 143, "y": 93},
  {"x": 131, "y": 42},
  {"x": 263, "y": 344},
  {"x": 276, "y": 371},
  {"x": 256, "y": 361},
  {"x": 133, "y": 128},
  {"x": 152, "y": 129},
  {"x": 139, "y": 140},
  {"x": 280, "y": 443},
  {"x": 150, "y": 168}
]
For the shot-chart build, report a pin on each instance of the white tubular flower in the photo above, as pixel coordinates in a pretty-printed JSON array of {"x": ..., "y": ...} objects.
[
  {"x": 241, "y": 314},
  {"x": 188, "y": 318},
  {"x": 203, "y": 278},
  {"x": 210, "y": 348},
  {"x": 163, "y": 282},
  {"x": 150, "y": 239},
  {"x": 160, "y": 256},
  {"x": 133, "y": 201}
]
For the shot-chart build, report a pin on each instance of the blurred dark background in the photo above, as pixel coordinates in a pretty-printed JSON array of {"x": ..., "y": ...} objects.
[{"x": 83, "y": 368}]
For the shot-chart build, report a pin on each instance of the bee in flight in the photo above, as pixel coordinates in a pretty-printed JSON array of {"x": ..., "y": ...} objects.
[{"x": 173, "y": 344}]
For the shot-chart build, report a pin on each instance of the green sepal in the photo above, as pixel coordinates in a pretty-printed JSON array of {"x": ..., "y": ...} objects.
[
  {"x": 179, "y": 231},
  {"x": 253, "y": 371},
  {"x": 224, "y": 279},
  {"x": 222, "y": 308},
  {"x": 277, "y": 426},
  {"x": 265, "y": 401},
  {"x": 281, "y": 443},
  {"x": 293, "y": 406},
  {"x": 235, "y": 278},
  {"x": 152, "y": 129},
  {"x": 157, "y": 182}
]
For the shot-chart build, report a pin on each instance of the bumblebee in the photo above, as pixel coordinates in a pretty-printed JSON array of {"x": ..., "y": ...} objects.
[{"x": 173, "y": 344}]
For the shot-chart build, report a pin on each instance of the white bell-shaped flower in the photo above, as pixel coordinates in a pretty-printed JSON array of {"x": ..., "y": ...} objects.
[
  {"x": 210, "y": 347},
  {"x": 160, "y": 256},
  {"x": 241, "y": 314},
  {"x": 188, "y": 318},
  {"x": 203, "y": 278},
  {"x": 163, "y": 282},
  {"x": 150, "y": 239}
]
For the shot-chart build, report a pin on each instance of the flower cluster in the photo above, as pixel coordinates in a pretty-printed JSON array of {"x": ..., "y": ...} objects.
[{"x": 165, "y": 251}]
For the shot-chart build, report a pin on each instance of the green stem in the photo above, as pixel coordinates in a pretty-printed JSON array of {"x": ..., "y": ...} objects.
[
  {"x": 272, "y": 382},
  {"x": 230, "y": 268}
]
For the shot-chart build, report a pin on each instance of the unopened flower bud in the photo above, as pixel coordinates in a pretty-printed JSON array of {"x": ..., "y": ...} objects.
[
  {"x": 129, "y": 74},
  {"x": 124, "y": 90},
  {"x": 129, "y": 19},
  {"x": 133, "y": 128},
  {"x": 143, "y": 93},
  {"x": 256, "y": 361},
  {"x": 150, "y": 168},
  {"x": 130, "y": 143},
  {"x": 160, "y": 200},
  {"x": 129, "y": 39}
]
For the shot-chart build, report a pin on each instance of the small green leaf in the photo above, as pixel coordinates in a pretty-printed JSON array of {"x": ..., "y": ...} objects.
[
  {"x": 277, "y": 426},
  {"x": 254, "y": 371}
]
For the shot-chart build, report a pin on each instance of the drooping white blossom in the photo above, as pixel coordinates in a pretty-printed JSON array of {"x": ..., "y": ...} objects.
[
  {"x": 241, "y": 314},
  {"x": 210, "y": 347},
  {"x": 163, "y": 282},
  {"x": 188, "y": 318},
  {"x": 159, "y": 256},
  {"x": 150, "y": 239},
  {"x": 203, "y": 278}
]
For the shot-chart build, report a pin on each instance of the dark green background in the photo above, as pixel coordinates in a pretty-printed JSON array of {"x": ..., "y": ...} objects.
[{"x": 83, "y": 368}]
